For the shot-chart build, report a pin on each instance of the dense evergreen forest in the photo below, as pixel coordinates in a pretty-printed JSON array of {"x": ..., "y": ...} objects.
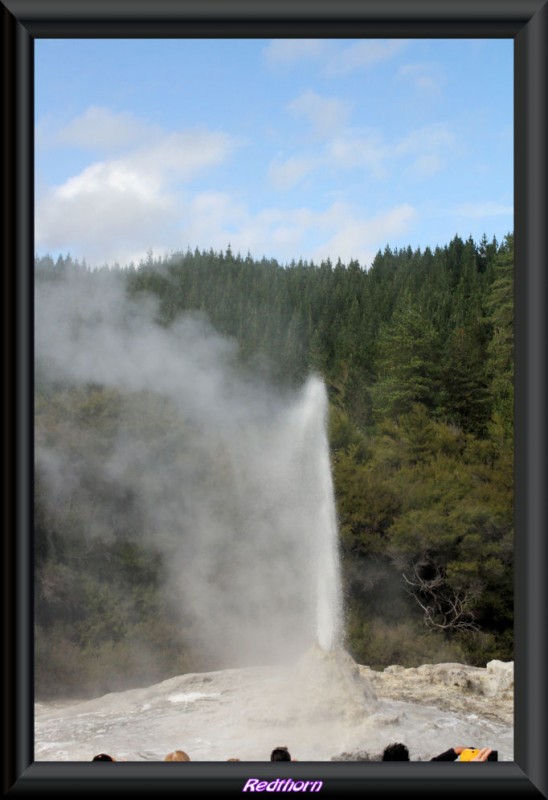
[{"x": 417, "y": 356}]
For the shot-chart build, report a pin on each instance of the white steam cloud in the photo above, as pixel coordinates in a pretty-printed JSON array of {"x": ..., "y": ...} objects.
[{"x": 232, "y": 475}]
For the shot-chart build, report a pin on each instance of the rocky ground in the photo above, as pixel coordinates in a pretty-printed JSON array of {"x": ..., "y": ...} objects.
[
  {"x": 487, "y": 692},
  {"x": 467, "y": 693},
  {"x": 326, "y": 707}
]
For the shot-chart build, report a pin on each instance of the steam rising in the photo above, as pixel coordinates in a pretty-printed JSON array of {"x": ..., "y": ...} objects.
[{"x": 232, "y": 475}]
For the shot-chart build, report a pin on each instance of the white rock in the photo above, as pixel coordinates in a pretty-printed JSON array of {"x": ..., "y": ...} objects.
[{"x": 499, "y": 678}]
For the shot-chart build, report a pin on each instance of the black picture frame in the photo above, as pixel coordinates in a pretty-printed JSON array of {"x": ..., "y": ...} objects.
[{"x": 524, "y": 21}]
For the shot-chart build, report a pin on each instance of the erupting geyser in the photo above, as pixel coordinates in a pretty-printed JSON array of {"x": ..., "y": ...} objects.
[
  {"x": 319, "y": 498},
  {"x": 327, "y": 682}
]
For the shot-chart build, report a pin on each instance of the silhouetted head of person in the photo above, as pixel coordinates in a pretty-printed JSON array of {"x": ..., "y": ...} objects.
[
  {"x": 280, "y": 754},
  {"x": 103, "y": 757},
  {"x": 177, "y": 755},
  {"x": 395, "y": 752}
]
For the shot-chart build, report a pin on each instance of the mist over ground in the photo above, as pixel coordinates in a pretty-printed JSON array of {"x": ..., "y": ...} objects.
[{"x": 222, "y": 479}]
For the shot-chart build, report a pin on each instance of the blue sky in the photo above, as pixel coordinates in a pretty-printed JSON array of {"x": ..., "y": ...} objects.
[{"x": 287, "y": 149}]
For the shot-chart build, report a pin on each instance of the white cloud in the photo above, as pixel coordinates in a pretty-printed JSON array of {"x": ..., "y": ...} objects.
[
  {"x": 324, "y": 113},
  {"x": 211, "y": 219},
  {"x": 427, "y": 149},
  {"x": 423, "y": 78},
  {"x": 428, "y": 138},
  {"x": 117, "y": 210},
  {"x": 425, "y": 166},
  {"x": 126, "y": 204},
  {"x": 285, "y": 174},
  {"x": 419, "y": 155},
  {"x": 362, "y": 54},
  {"x": 107, "y": 204},
  {"x": 334, "y": 58},
  {"x": 355, "y": 236},
  {"x": 101, "y": 128},
  {"x": 284, "y": 52},
  {"x": 214, "y": 220},
  {"x": 360, "y": 149}
]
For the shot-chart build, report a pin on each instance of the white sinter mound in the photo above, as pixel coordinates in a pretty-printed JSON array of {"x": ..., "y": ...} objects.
[{"x": 325, "y": 707}]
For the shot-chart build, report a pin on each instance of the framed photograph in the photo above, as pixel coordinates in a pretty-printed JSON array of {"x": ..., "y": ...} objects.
[{"x": 69, "y": 198}]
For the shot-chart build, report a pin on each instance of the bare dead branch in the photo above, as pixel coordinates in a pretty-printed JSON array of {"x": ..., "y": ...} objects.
[{"x": 442, "y": 610}]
